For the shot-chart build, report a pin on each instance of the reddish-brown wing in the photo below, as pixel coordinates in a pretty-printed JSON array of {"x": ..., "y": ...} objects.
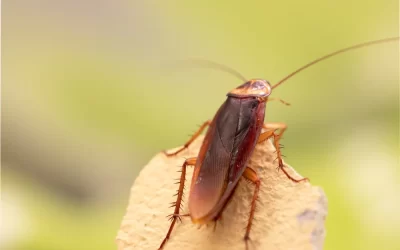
[{"x": 222, "y": 160}]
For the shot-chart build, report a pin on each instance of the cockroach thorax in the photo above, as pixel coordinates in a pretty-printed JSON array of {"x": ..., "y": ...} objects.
[{"x": 254, "y": 87}]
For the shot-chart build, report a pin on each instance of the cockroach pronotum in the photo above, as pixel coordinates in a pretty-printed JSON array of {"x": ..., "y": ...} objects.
[{"x": 229, "y": 142}]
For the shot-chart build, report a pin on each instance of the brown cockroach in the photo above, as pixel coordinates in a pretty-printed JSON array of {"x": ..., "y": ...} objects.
[{"x": 229, "y": 142}]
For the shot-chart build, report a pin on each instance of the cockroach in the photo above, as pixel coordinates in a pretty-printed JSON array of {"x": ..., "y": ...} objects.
[{"x": 229, "y": 142}]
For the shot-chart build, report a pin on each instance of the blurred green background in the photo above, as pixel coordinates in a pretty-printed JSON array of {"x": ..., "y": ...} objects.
[{"x": 89, "y": 96}]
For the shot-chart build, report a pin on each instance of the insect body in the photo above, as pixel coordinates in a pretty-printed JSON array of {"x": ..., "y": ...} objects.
[{"x": 229, "y": 142}]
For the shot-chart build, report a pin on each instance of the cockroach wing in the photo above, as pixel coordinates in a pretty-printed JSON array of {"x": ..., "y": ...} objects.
[
  {"x": 212, "y": 166},
  {"x": 222, "y": 159}
]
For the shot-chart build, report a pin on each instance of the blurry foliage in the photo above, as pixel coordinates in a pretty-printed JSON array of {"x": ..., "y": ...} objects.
[{"x": 88, "y": 74}]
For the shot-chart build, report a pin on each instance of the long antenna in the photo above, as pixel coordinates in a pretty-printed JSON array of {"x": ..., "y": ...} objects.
[
  {"x": 357, "y": 46},
  {"x": 213, "y": 65}
]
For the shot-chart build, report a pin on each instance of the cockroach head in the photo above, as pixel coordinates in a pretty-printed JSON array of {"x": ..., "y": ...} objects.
[{"x": 254, "y": 87}]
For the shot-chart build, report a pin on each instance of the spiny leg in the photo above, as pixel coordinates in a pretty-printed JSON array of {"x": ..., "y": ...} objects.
[
  {"x": 252, "y": 176},
  {"x": 277, "y": 136},
  {"x": 217, "y": 219},
  {"x": 265, "y": 136},
  {"x": 175, "y": 216},
  {"x": 198, "y": 132}
]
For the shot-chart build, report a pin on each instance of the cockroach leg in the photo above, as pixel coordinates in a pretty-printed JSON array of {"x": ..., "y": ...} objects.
[
  {"x": 198, "y": 132},
  {"x": 277, "y": 136},
  {"x": 265, "y": 136},
  {"x": 176, "y": 216},
  {"x": 252, "y": 176},
  {"x": 216, "y": 220}
]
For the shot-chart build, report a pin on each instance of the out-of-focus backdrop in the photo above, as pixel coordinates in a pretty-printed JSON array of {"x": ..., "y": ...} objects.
[{"x": 89, "y": 96}]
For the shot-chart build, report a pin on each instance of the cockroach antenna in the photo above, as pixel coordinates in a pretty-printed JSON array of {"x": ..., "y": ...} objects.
[
  {"x": 357, "y": 46},
  {"x": 213, "y": 65}
]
